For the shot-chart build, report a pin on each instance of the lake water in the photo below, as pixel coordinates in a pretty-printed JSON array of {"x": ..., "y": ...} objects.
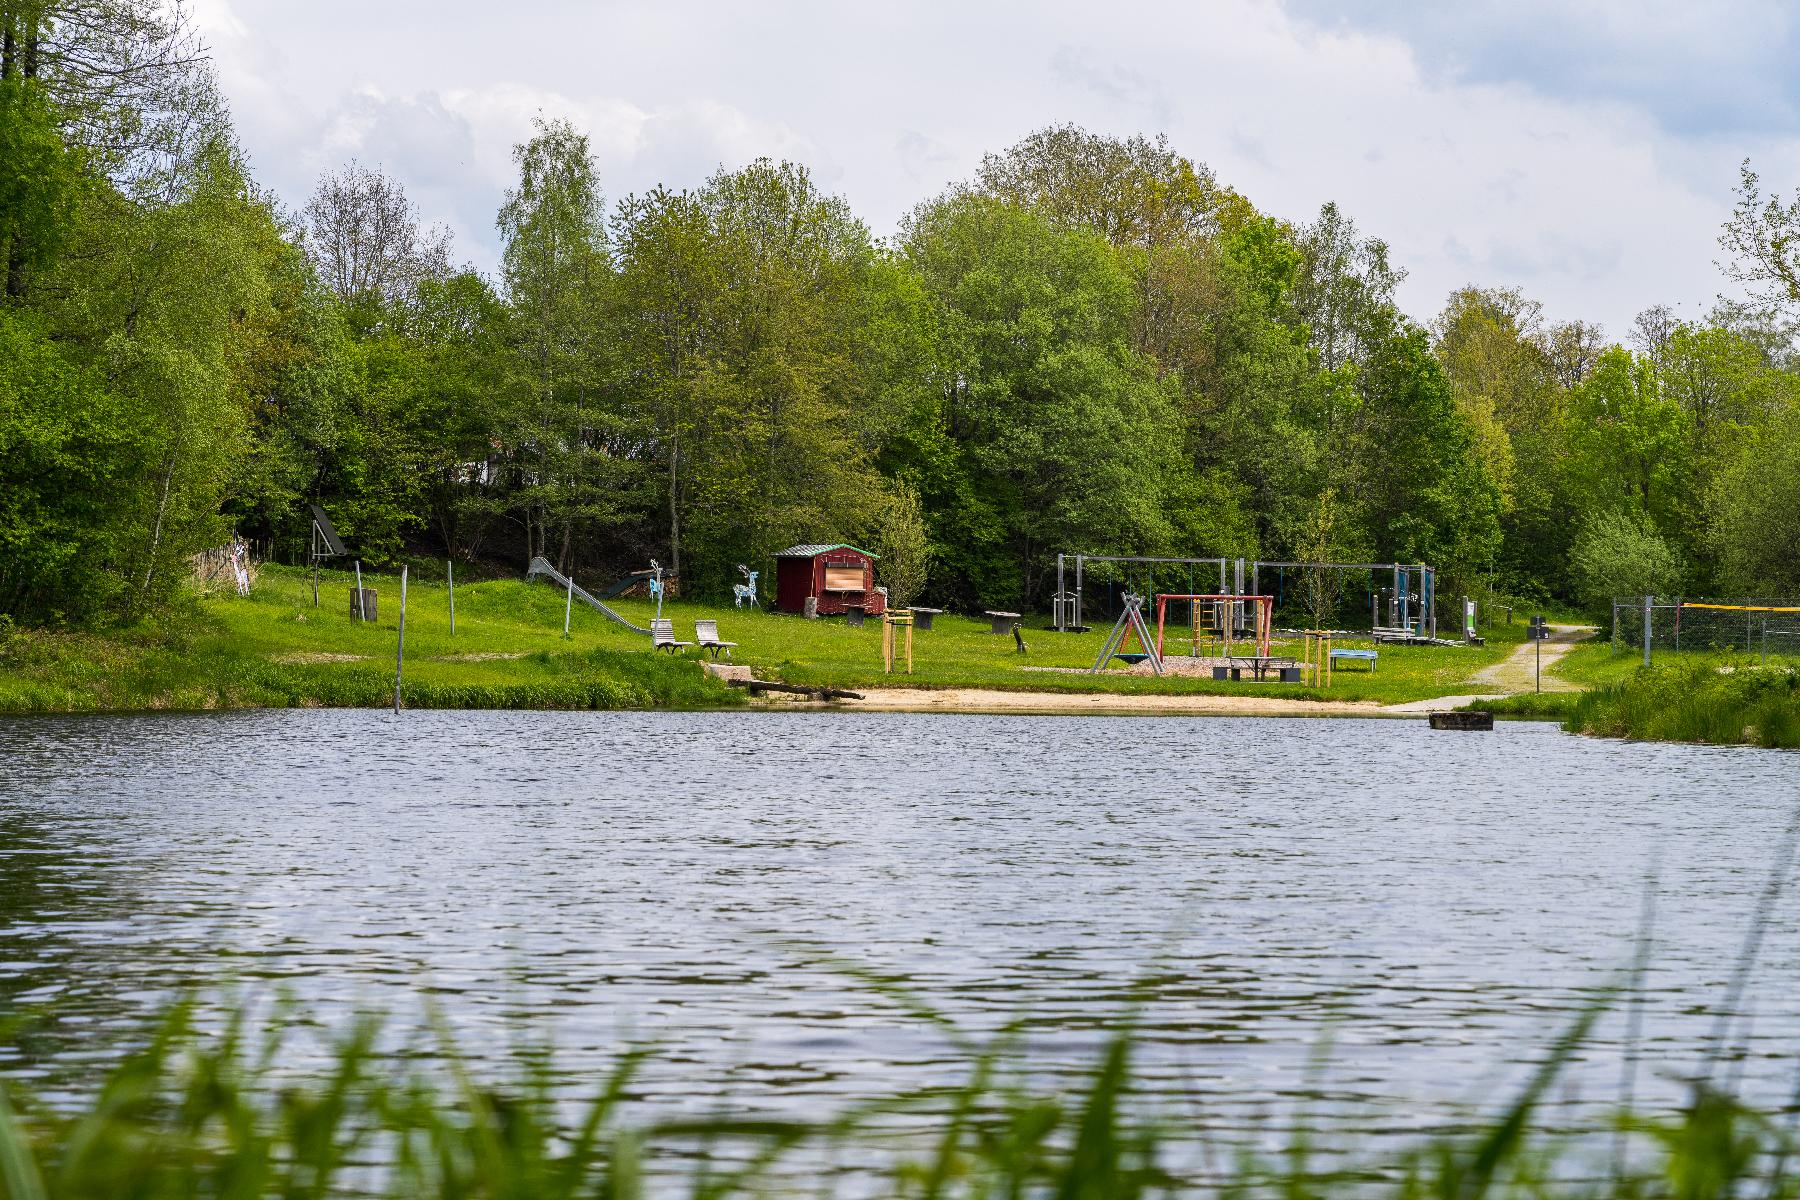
[{"x": 1426, "y": 907}]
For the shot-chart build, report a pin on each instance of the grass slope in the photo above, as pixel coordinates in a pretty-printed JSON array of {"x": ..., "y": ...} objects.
[{"x": 275, "y": 649}]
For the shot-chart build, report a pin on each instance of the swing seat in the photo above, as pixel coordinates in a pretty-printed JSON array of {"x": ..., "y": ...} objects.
[{"x": 1131, "y": 659}]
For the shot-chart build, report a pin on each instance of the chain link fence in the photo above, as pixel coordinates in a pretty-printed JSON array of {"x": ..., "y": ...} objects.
[{"x": 1750, "y": 625}]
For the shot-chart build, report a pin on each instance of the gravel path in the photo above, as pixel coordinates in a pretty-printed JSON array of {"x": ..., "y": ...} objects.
[{"x": 1517, "y": 672}]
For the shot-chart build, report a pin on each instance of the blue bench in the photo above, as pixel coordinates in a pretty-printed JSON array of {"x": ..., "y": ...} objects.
[{"x": 1368, "y": 656}]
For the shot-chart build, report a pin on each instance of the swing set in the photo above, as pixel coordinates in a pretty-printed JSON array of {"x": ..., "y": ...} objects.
[{"x": 1130, "y": 622}]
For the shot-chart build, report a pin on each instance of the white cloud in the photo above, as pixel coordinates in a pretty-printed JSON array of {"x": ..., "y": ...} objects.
[{"x": 1587, "y": 198}]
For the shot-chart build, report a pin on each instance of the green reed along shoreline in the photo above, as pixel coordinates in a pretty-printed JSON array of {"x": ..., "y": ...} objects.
[
  {"x": 209, "y": 1114},
  {"x": 1729, "y": 701}
]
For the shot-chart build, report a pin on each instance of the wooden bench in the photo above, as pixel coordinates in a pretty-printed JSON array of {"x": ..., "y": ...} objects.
[
  {"x": 707, "y": 634},
  {"x": 1003, "y": 621},
  {"x": 1368, "y": 656},
  {"x": 662, "y": 635}
]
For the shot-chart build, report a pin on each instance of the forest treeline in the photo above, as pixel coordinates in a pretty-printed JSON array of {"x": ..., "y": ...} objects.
[{"x": 1092, "y": 345}]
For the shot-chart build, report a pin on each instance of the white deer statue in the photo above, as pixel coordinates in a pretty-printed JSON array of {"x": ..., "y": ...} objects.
[{"x": 745, "y": 593}]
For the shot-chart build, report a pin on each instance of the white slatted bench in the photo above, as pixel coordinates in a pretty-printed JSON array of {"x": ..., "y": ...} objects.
[
  {"x": 662, "y": 635},
  {"x": 707, "y": 634}
]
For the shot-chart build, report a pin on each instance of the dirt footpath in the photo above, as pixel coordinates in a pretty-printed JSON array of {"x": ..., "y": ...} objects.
[{"x": 1517, "y": 672}]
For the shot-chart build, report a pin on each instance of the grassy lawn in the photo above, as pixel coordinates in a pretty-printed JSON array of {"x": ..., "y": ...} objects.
[{"x": 274, "y": 648}]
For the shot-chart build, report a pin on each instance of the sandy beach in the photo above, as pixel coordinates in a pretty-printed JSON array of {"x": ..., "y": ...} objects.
[{"x": 989, "y": 700}]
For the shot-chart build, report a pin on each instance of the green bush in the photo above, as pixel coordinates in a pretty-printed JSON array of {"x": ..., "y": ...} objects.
[{"x": 1619, "y": 554}]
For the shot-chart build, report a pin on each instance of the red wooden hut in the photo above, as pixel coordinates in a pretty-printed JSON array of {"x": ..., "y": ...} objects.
[{"x": 840, "y": 576}]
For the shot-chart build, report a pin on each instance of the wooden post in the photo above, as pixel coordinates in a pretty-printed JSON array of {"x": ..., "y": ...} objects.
[
  {"x": 450, "y": 586},
  {"x": 362, "y": 612},
  {"x": 400, "y": 646},
  {"x": 909, "y": 627}
]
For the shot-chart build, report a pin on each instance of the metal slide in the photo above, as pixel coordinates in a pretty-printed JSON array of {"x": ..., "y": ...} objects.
[{"x": 541, "y": 566}]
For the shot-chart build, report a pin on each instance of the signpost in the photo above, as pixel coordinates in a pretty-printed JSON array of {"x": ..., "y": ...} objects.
[{"x": 1539, "y": 631}]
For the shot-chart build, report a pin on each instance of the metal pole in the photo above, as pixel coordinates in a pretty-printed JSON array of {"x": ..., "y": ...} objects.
[
  {"x": 569, "y": 603},
  {"x": 1058, "y": 601},
  {"x": 1647, "y": 600},
  {"x": 1765, "y": 640},
  {"x": 400, "y": 646},
  {"x": 314, "y": 551},
  {"x": 450, "y": 586},
  {"x": 1078, "y": 619},
  {"x": 362, "y": 611},
  {"x": 1537, "y": 637},
  {"x": 1431, "y": 598}
]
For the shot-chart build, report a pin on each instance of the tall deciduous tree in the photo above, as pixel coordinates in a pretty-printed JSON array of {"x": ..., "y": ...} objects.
[
  {"x": 558, "y": 272},
  {"x": 364, "y": 238},
  {"x": 761, "y": 330},
  {"x": 1065, "y": 432}
]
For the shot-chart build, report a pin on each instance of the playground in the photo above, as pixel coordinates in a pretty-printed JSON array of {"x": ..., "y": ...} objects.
[{"x": 508, "y": 649}]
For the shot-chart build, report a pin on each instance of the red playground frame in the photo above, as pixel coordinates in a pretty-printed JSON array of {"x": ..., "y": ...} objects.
[{"x": 1265, "y": 618}]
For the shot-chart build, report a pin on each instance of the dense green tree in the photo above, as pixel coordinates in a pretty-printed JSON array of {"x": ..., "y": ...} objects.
[
  {"x": 1631, "y": 447},
  {"x": 1065, "y": 432},
  {"x": 39, "y": 185},
  {"x": 760, "y": 331},
  {"x": 1503, "y": 370},
  {"x": 65, "y": 443},
  {"x": 561, "y": 431},
  {"x": 1431, "y": 498},
  {"x": 1755, "y": 533}
]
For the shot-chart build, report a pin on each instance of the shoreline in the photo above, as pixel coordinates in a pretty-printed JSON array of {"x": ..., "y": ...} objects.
[{"x": 1046, "y": 703}]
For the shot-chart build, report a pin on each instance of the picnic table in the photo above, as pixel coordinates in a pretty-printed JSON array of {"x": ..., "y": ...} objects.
[
  {"x": 1259, "y": 665},
  {"x": 922, "y": 616},
  {"x": 1003, "y": 621}
]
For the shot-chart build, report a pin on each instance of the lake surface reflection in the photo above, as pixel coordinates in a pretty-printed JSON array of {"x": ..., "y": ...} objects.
[{"x": 1431, "y": 906}]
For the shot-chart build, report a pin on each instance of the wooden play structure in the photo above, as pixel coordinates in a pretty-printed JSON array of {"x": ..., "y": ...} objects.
[
  {"x": 891, "y": 625},
  {"x": 1225, "y": 614},
  {"x": 1315, "y": 657},
  {"x": 836, "y": 578}
]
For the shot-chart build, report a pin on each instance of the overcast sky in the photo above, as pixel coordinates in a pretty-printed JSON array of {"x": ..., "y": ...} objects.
[{"x": 1586, "y": 156}]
